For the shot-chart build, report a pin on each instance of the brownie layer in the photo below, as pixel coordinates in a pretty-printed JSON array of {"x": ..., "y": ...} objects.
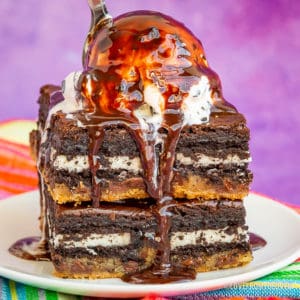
[
  {"x": 138, "y": 216},
  {"x": 223, "y": 131},
  {"x": 44, "y": 102}
]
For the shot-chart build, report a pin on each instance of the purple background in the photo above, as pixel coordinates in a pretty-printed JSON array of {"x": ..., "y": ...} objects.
[{"x": 253, "y": 45}]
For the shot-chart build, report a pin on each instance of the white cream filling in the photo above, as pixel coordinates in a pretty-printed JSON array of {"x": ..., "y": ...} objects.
[
  {"x": 77, "y": 164},
  {"x": 80, "y": 163},
  {"x": 178, "y": 239},
  {"x": 125, "y": 163},
  {"x": 204, "y": 160},
  {"x": 93, "y": 240},
  {"x": 209, "y": 236},
  {"x": 69, "y": 105}
]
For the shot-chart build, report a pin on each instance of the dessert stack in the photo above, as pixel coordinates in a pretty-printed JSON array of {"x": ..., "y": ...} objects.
[{"x": 143, "y": 164}]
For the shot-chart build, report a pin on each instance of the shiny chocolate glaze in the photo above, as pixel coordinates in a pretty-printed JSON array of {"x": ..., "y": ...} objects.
[{"x": 124, "y": 57}]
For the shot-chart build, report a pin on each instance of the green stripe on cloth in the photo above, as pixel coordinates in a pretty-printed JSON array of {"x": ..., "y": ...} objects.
[
  {"x": 31, "y": 293},
  {"x": 50, "y": 295},
  {"x": 291, "y": 272}
]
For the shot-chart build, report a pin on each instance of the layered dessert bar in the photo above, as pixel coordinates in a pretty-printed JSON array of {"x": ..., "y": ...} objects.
[
  {"x": 143, "y": 164},
  {"x": 118, "y": 239},
  {"x": 211, "y": 161}
]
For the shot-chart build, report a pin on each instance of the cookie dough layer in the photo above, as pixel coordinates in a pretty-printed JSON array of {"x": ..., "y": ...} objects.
[
  {"x": 189, "y": 187},
  {"x": 103, "y": 267}
]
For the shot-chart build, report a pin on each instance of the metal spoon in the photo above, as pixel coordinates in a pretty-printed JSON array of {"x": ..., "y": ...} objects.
[{"x": 100, "y": 19}]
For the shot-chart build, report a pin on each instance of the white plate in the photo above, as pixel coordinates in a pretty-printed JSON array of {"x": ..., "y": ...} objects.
[{"x": 278, "y": 224}]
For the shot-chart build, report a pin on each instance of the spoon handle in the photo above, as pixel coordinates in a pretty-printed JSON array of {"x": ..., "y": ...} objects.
[
  {"x": 99, "y": 11},
  {"x": 100, "y": 18}
]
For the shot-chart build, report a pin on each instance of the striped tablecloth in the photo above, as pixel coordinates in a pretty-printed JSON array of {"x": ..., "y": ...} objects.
[{"x": 18, "y": 175}]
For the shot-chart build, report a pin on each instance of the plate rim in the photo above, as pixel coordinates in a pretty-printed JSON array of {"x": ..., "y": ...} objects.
[{"x": 79, "y": 287}]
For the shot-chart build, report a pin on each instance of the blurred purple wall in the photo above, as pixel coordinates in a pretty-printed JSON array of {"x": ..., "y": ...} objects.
[{"x": 253, "y": 45}]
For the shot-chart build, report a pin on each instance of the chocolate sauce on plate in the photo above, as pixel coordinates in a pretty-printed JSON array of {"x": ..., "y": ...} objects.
[
  {"x": 256, "y": 241},
  {"x": 30, "y": 248}
]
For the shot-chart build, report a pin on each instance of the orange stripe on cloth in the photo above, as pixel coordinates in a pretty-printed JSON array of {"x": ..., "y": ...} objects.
[
  {"x": 14, "y": 146},
  {"x": 14, "y": 175},
  {"x": 15, "y": 156},
  {"x": 15, "y": 188},
  {"x": 11, "y": 161},
  {"x": 18, "y": 172},
  {"x": 22, "y": 150}
]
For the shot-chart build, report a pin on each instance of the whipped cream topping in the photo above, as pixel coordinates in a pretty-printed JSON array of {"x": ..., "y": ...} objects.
[{"x": 72, "y": 102}]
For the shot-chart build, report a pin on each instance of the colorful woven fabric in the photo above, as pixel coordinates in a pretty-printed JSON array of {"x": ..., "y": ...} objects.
[{"x": 18, "y": 175}]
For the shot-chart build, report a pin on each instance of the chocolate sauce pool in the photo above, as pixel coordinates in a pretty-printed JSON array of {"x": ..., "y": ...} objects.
[
  {"x": 123, "y": 58},
  {"x": 31, "y": 248},
  {"x": 256, "y": 241}
]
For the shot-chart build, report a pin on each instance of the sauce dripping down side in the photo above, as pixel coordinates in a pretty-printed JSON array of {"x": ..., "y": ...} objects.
[{"x": 139, "y": 73}]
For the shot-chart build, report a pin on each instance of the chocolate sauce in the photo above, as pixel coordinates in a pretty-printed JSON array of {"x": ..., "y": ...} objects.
[
  {"x": 166, "y": 274},
  {"x": 30, "y": 248},
  {"x": 122, "y": 59},
  {"x": 96, "y": 137},
  {"x": 256, "y": 241}
]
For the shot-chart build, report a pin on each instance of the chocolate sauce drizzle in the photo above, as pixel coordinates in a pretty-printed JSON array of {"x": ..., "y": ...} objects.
[{"x": 121, "y": 59}]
